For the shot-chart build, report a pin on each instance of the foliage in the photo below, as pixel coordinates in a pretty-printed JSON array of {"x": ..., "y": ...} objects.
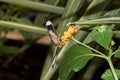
[
  {"x": 103, "y": 35},
  {"x": 75, "y": 59},
  {"x": 98, "y": 27},
  {"x": 108, "y": 74}
]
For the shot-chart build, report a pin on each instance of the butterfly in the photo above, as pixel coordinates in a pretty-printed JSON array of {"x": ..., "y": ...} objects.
[
  {"x": 54, "y": 37},
  {"x": 52, "y": 33}
]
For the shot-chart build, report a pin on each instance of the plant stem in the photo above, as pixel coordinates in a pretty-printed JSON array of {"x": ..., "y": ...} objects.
[
  {"x": 108, "y": 58},
  {"x": 52, "y": 69},
  {"x": 112, "y": 67},
  {"x": 50, "y": 73},
  {"x": 88, "y": 47}
]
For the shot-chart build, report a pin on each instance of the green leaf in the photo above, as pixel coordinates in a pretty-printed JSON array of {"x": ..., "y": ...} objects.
[
  {"x": 75, "y": 59},
  {"x": 29, "y": 28},
  {"x": 103, "y": 35},
  {"x": 109, "y": 76},
  {"x": 25, "y": 34},
  {"x": 69, "y": 14},
  {"x": 117, "y": 52},
  {"x": 8, "y": 49},
  {"x": 22, "y": 20},
  {"x": 95, "y": 9},
  {"x": 36, "y": 5}
]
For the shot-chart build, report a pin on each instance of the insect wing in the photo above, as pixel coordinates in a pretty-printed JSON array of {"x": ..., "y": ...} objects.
[
  {"x": 51, "y": 30},
  {"x": 56, "y": 40}
]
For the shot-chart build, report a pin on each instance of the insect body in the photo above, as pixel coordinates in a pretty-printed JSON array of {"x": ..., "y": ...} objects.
[
  {"x": 68, "y": 34},
  {"x": 51, "y": 30}
]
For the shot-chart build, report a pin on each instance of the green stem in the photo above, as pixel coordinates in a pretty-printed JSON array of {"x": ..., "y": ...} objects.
[
  {"x": 88, "y": 47},
  {"x": 113, "y": 53},
  {"x": 108, "y": 58},
  {"x": 112, "y": 67},
  {"x": 52, "y": 70},
  {"x": 50, "y": 73}
]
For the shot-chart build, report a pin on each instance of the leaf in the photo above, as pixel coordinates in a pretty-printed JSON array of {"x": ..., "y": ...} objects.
[
  {"x": 94, "y": 10},
  {"x": 103, "y": 35},
  {"x": 109, "y": 76},
  {"x": 36, "y": 5},
  {"x": 117, "y": 52},
  {"x": 69, "y": 14},
  {"x": 8, "y": 49},
  {"x": 29, "y": 28},
  {"x": 75, "y": 59},
  {"x": 22, "y": 20},
  {"x": 25, "y": 34},
  {"x": 39, "y": 20},
  {"x": 112, "y": 13}
]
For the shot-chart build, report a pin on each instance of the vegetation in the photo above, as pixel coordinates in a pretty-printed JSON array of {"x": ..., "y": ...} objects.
[{"x": 92, "y": 53}]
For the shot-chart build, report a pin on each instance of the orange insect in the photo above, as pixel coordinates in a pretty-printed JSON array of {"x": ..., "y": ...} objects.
[{"x": 68, "y": 34}]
